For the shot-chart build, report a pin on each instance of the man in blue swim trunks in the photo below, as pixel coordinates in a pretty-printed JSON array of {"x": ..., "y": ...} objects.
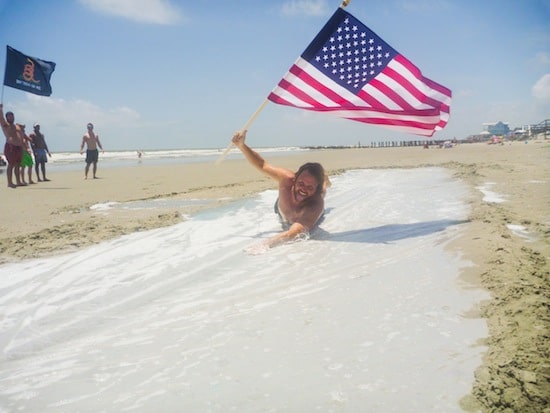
[
  {"x": 40, "y": 149},
  {"x": 301, "y": 194}
]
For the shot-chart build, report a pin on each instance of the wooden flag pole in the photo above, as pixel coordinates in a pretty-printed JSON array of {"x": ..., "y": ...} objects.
[
  {"x": 262, "y": 106},
  {"x": 245, "y": 127}
]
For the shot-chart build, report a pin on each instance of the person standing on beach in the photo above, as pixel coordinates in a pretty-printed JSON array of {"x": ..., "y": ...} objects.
[
  {"x": 40, "y": 149},
  {"x": 26, "y": 158},
  {"x": 92, "y": 154},
  {"x": 301, "y": 204},
  {"x": 13, "y": 150}
]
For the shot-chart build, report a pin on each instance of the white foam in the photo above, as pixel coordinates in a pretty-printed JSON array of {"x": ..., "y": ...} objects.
[
  {"x": 104, "y": 206},
  {"x": 490, "y": 196},
  {"x": 367, "y": 315},
  {"x": 520, "y": 231}
]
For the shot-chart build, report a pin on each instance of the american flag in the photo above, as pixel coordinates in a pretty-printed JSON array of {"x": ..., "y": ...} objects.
[{"x": 350, "y": 72}]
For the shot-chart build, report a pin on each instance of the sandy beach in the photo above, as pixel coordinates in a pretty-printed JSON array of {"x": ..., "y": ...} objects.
[{"x": 507, "y": 241}]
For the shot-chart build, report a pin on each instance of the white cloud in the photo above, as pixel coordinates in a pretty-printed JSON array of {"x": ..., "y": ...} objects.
[
  {"x": 75, "y": 114},
  {"x": 305, "y": 7},
  {"x": 142, "y": 11},
  {"x": 541, "y": 60},
  {"x": 541, "y": 89},
  {"x": 64, "y": 121}
]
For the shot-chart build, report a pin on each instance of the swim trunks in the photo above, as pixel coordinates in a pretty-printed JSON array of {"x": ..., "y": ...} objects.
[
  {"x": 13, "y": 153},
  {"x": 92, "y": 155},
  {"x": 40, "y": 155},
  {"x": 26, "y": 159}
]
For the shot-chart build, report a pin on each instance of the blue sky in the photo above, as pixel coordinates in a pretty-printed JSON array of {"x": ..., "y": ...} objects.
[{"x": 167, "y": 74}]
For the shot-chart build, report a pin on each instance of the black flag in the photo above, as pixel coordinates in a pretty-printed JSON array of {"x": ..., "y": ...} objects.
[{"x": 28, "y": 73}]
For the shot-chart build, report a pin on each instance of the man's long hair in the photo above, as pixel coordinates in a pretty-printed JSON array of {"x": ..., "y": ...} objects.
[{"x": 318, "y": 172}]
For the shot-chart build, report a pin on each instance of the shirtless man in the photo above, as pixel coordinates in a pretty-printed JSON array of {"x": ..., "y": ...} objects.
[
  {"x": 92, "y": 154},
  {"x": 13, "y": 149},
  {"x": 40, "y": 149},
  {"x": 301, "y": 194},
  {"x": 26, "y": 159}
]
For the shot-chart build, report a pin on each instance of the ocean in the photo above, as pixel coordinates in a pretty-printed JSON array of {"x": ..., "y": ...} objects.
[
  {"x": 70, "y": 161},
  {"x": 367, "y": 315}
]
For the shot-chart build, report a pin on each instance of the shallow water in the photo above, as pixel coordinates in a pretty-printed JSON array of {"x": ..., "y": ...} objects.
[{"x": 367, "y": 315}]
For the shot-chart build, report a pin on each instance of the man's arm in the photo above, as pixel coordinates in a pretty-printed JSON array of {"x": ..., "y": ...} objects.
[
  {"x": 27, "y": 141},
  {"x": 98, "y": 142},
  {"x": 257, "y": 161},
  {"x": 82, "y": 144},
  {"x": 2, "y": 118},
  {"x": 303, "y": 224},
  {"x": 288, "y": 235},
  {"x": 46, "y": 145}
]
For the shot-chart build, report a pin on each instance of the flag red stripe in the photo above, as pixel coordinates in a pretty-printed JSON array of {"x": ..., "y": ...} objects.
[
  {"x": 406, "y": 84},
  {"x": 320, "y": 87},
  {"x": 430, "y": 84},
  {"x": 293, "y": 90},
  {"x": 390, "y": 93}
]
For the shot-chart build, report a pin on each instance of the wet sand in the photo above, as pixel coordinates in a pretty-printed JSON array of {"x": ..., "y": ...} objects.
[{"x": 508, "y": 242}]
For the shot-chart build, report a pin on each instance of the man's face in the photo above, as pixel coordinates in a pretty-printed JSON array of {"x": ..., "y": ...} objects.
[
  {"x": 10, "y": 118},
  {"x": 305, "y": 186}
]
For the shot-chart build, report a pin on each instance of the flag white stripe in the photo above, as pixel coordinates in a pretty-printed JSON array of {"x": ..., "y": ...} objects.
[
  {"x": 309, "y": 90},
  {"x": 428, "y": 118},
  {"x": 380, "y": 96},
  {"x": 418, "y": 84},
  {"x": 403, "y": 92}
]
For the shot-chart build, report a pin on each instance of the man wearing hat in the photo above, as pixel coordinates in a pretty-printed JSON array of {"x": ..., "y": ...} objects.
[{"x": 40, "y": 150}]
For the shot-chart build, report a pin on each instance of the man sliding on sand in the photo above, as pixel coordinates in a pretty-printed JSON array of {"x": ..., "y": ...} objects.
[{"x": 301, "y": 194}]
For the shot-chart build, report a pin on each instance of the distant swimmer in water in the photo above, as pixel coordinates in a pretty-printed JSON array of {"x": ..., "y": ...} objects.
[{"x": 301, "y": 194}]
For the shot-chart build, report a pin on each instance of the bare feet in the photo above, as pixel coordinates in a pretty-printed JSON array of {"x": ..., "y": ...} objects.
[{"x": 12, "y": 186}]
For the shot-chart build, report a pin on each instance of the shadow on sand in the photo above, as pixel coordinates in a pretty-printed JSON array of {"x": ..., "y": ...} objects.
[{"x": 386, "y": 233}]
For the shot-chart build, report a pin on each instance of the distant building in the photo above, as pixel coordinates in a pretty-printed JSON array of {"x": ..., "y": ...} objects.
[{"x": 499, "y": 128}]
